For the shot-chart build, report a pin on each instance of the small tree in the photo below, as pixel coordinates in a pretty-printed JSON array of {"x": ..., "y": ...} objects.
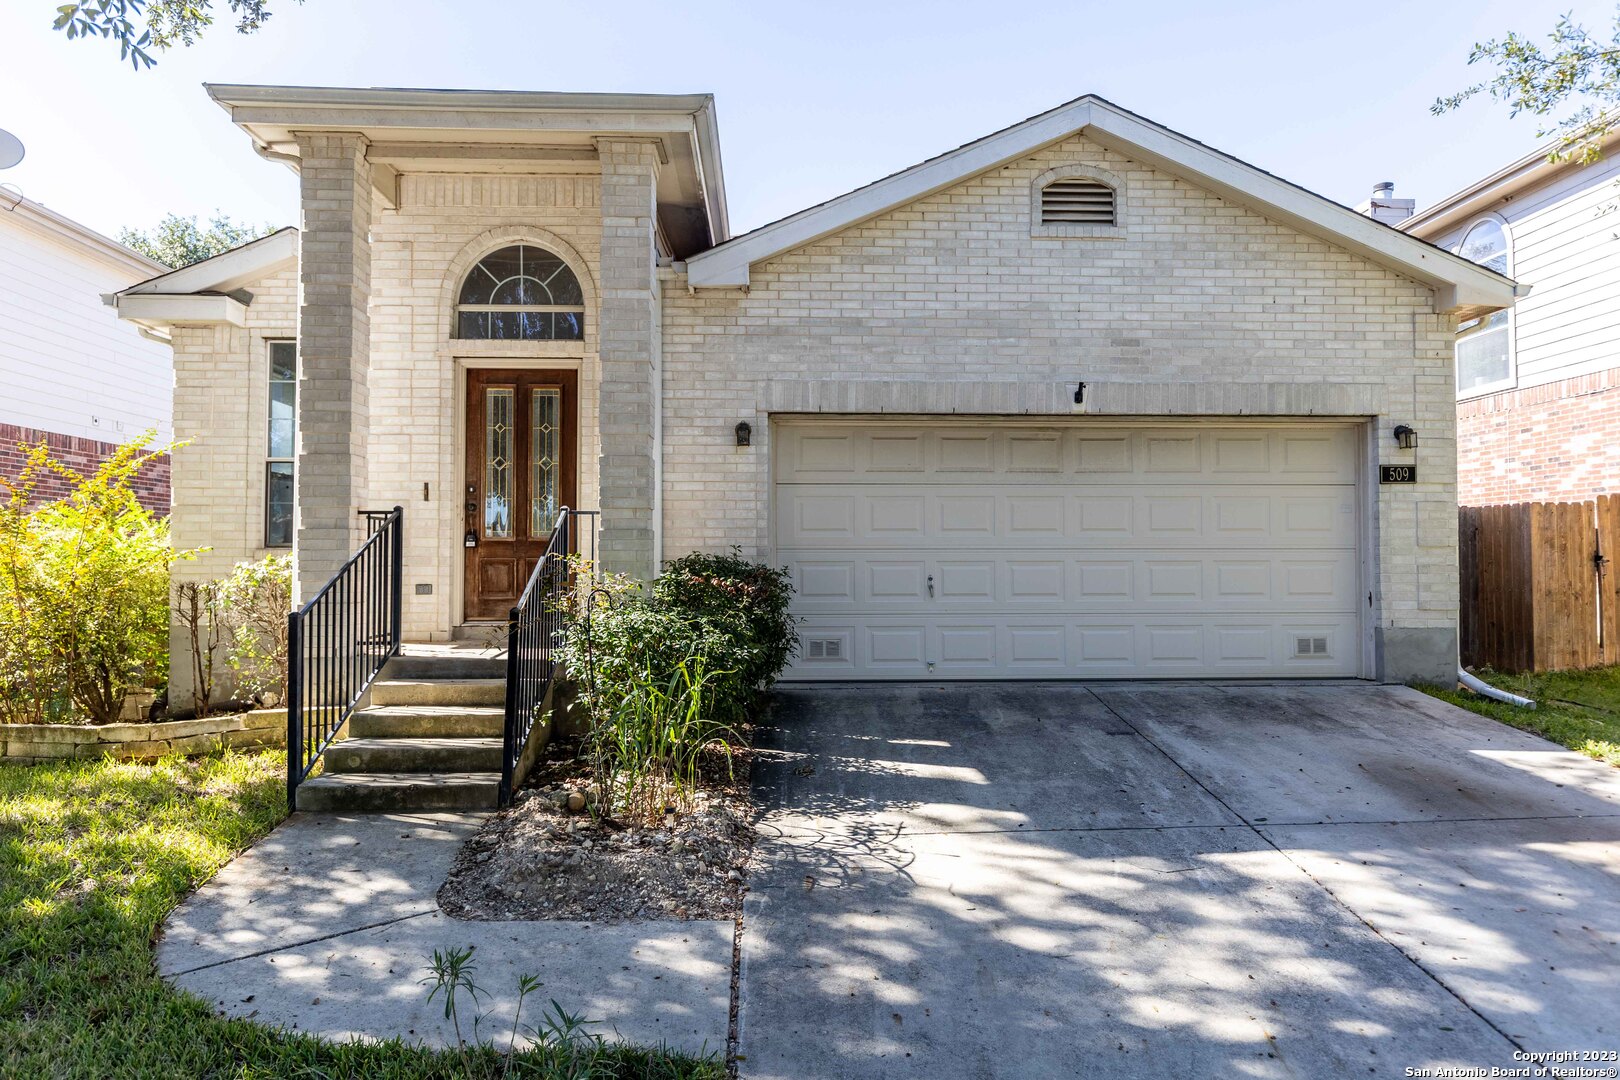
[
  {"x": 257, "y": 597},
  {"x": 179, "y": 241},
  {"x": 137, "y": 25},
  {"x": 1578, "y": 72},
  {"x": 84, "y": 588},
  {"x": 197, "y": 610}
]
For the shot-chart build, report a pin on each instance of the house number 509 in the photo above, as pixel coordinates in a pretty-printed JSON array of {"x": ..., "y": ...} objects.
[{"x": 1397, "y": 474}]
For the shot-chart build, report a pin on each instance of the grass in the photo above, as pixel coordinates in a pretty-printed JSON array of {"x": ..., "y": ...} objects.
[
  {"x": 1580, "y": 709},
  {"x": 94, "y": 854}
]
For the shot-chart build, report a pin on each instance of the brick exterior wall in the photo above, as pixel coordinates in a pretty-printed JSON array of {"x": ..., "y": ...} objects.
[
  {"x": 421, "y": 252},
  {"x": 1557, "y": 442},
  {"x": 334, "y": 355},
  {"x": 82, "y": 456},
  {"x": 951, "y": 305}
]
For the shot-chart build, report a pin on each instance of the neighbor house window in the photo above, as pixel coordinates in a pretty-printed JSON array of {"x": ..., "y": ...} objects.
[
  {"x": 278, "y": 468},
  {"x": 1484, "y": 356},
  {"x": 521, "y": 293}
]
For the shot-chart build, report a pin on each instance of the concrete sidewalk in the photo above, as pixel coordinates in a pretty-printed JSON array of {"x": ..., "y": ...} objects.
[
  {"x": 1024, "y": 881},
  {"x": 328, "y": 925}
]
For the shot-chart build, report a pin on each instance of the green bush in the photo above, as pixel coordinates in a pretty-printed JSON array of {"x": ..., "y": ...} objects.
[
  {"x": 664, "y": 672},
  {"x": 84, "y": 587},
  {"x": 748, "y": 601}
]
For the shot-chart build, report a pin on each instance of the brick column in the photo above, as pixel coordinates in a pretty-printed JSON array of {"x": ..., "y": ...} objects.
[
  {"x": 629, "y": 348},
  {"x": 334, "y": 342}
]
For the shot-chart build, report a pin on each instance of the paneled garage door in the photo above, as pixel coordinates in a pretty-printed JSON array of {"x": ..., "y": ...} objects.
[{"x": 940, "y": 550}]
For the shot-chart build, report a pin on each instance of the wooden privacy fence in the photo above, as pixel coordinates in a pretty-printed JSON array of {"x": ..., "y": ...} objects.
[{"x": 1540, "y": 584}]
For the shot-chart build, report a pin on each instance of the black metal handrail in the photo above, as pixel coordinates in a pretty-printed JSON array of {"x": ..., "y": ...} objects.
[
  {"x": 338, "y": 642},
  {"x": 534, "y": 629}
]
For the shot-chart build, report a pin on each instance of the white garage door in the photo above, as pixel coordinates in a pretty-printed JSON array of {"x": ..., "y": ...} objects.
[{"x": 941, "y": 550}]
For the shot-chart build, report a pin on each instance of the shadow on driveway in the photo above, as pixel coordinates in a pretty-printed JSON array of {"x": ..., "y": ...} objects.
[{"x": 1024, "y": 880}]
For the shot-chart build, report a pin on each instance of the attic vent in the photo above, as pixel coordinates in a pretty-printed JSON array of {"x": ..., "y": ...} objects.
[
  {"x": 1077, "y": 202},
  {"x": 1310, "y": 646},
  {"x": 824, "y": 649}
]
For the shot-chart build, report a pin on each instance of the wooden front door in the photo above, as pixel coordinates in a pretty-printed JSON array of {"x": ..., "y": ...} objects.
[{"x": 521, "y": 468}]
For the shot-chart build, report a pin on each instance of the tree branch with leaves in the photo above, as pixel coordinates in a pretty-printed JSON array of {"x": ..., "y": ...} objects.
[
  {"x": 1573, "y": 84},
  {"x": 142, "y": 25}
]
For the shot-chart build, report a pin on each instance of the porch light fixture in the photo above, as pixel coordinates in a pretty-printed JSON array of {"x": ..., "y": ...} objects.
[
  {"x": 745, "y": 434},
  {"x": 1405, "y": 437}
]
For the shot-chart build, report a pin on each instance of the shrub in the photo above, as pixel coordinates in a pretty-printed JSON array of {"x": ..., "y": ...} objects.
[
  {"x": 245, "y": 614},
  {"x": 257, "y": 597},
  {"x": 84, "y": 584},
  {"x": 668, "y": 671},
  {"x": 749, "y": 601}
]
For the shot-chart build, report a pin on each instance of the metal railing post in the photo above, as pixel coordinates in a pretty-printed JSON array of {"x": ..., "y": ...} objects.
[
  {"x": 397, "y": 569},
  {"x": 295, "y": 707}
]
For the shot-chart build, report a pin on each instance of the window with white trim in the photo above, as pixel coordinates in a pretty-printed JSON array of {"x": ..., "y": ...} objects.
[
  {"x": 283, "y": 424},
  {"x": 521, "y": 293},
  {"x": 1484, "y": 345}
]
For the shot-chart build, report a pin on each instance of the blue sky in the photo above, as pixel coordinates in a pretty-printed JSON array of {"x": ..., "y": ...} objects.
[{"x": 813, "y": 99}]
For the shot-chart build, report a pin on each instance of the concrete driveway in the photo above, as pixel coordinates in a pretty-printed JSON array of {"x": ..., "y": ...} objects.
[{"x": 1151, "y": 880}]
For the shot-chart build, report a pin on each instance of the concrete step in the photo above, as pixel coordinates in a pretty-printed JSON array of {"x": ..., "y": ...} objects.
[
  {"x": 428, "y": 722},
  {"x": 438, "y": 692},
  {"x": 432, "y": 755},
  {"x": 413, "y": 666},
  {"x": 399, "y": 792}
]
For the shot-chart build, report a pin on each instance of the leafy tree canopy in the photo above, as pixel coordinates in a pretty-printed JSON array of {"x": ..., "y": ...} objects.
[
  {"x": 141, "y": 25},
  {"x": 179, "y": 241},
  {"x": 1573, "y": 84}
]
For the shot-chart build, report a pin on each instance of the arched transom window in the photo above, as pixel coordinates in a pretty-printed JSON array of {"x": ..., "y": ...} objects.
[
  {"x": 1484, "y": 360},
  {"x": 521, "y": 293}
]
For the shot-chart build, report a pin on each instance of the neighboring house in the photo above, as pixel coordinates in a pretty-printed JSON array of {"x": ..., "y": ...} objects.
[
  {"x": 1083, "y": 398},
  {"x": 1538, "y": 386},
  {"x": 73, "y": 374}
]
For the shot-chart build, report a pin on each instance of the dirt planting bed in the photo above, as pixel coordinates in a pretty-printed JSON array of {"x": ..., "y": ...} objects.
[{"x": 542, "y": 860}]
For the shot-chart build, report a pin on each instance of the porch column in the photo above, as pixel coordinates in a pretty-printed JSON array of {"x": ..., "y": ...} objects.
[
  {"x": 334, "y": 352},
  {"x": 629, "y": 350}
]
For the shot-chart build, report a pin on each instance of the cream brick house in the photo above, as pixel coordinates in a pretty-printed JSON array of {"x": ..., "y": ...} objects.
[{"x": 1084, "y": 398}]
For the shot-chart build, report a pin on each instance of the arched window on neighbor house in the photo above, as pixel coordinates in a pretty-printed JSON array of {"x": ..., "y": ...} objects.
[
  {"x": 521, "y": 293},
  {"x": 1484, "y": 346}
]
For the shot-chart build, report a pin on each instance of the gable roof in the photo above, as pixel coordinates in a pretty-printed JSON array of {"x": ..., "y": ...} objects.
[
  {"x": 209, "y": 292},
  {"x": 1461, "y": 286},
  {"x": 41, "y": 219}
]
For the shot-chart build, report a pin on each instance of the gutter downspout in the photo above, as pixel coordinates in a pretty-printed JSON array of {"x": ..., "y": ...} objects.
[
  {"x": 289, "y": 160},
  {"x": 1485, "y": 689}
]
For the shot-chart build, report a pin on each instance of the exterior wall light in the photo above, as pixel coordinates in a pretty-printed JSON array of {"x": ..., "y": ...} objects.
[
  {"x": 1405, "y": 437},
  {"x": 745, "y": 434}
]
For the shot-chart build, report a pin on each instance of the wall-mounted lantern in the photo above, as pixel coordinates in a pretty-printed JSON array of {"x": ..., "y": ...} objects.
[
  {"x": 1405, "y": 437},
  {"x": 745, "y": 434}
]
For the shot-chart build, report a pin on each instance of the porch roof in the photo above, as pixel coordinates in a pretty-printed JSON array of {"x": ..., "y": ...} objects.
[{"x": 503, "y": 131}]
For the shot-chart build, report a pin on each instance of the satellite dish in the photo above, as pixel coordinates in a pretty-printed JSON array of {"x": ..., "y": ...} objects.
[{"x": 11, "y": 149}]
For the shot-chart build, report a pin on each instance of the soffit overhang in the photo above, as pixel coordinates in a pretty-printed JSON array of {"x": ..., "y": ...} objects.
[{"x": 505, "y": 132}]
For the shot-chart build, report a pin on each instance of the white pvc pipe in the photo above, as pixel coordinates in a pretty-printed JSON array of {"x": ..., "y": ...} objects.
[{"x": 1485, "y": 689}]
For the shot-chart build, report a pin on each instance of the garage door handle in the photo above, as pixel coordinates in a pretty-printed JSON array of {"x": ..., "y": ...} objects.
[{"x": 930, "y": 584}]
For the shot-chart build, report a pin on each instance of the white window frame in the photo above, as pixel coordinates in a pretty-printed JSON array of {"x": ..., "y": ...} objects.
[
  {"x": 269, "y": 406},
  {"x": 1512, "y": 380}
]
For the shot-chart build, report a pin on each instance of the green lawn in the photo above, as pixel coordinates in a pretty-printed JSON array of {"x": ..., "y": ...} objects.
[
  {"x": 1580, "y": 709},
  {"x": 93, "y": 855}
]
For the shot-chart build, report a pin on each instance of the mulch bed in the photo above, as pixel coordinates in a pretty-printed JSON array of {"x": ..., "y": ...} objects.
[{"x": 540, "y": 860}]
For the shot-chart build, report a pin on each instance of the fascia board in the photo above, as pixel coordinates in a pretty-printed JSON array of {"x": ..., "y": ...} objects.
[
  {"x": 228, "y": 271},
  {"x": 158, "y": 310}
]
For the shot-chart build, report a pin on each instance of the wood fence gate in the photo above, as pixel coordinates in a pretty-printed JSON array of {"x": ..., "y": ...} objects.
[{"x": 1540, "y": 584}]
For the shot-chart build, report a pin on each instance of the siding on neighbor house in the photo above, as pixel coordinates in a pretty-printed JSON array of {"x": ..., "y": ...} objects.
[
  {"x": 1564, "y": 239},
  {"x": 68, "y": 365},
  {"x": 949, "y": 304},
  {"x": 1554, "y": 434}
]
